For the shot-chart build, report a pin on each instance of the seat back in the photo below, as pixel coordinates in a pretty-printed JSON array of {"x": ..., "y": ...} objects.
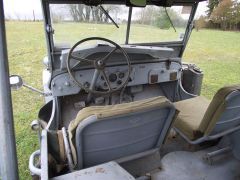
[
  {"x": 138, "y": 129},
  {"x": 223, "y": 112}
]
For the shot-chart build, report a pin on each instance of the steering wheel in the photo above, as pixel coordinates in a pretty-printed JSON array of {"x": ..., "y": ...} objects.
[{"x": 99, "y": 65}]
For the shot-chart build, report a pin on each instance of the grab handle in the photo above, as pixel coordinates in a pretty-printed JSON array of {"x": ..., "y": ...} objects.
[{"x": 34, "y": 170}]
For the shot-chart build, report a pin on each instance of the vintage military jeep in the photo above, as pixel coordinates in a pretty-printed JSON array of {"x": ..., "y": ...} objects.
[{"x": 120, "y": 102}]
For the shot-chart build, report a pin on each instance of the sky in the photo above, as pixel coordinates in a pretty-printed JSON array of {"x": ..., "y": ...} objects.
[{"x": 23, "y": 9}]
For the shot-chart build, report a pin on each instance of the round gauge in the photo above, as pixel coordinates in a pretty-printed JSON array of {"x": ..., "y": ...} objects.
[{"x": 112, "y": 77}]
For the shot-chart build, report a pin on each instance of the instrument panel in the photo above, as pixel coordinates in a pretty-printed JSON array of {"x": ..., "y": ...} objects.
[{"x": 146, "y": 73}]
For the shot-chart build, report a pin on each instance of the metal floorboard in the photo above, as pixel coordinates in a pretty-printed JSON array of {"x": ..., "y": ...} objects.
[{"x": 183, "y": 165}]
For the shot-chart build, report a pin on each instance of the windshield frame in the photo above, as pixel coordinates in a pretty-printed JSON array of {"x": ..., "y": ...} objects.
[{"x": 49, "y": 31}]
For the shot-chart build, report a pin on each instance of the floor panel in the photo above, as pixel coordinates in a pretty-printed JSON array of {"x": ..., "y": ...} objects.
[{"x": 183, "y": 165}]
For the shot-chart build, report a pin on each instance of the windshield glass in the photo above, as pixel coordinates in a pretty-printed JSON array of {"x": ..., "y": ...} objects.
[
  {"x": 73, "y": 22},
  {"x": 158, "y": 24}
]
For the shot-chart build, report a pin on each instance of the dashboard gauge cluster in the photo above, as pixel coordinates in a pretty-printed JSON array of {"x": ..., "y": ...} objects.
[
  {"x": 115, "y": 78},
  {"x": 147, "y": 73}
]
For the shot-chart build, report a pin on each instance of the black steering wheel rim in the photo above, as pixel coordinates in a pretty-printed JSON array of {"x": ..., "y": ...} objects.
[{"x": 99, "y": 66}]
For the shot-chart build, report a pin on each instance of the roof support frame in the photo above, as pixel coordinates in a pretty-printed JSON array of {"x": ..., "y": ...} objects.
[
  {"x": 8, "y": 155},
  {"x": 48, "y": 32},
  {"x": 128, "y": 25},
  {"x": 189, "y": 28}
]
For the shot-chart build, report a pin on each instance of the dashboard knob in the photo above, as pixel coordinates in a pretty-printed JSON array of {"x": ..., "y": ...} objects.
[
  {"x": 121, "y": 75},
  {"x": 86, "y": 84},
  {"x": 119, "y": 82},
  {"x": 112, "y": 77}
]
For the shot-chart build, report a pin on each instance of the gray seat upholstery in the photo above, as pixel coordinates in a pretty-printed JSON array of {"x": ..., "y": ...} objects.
[
  {"x": 104, "y": 133},
  {"x": 200, "y": 119}
]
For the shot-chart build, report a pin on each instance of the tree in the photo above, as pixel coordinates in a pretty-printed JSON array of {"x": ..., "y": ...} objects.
[
  {"x": 157, "y": 16},
  {"x": 146, "y": 15},
  {"x": 57, "y": 17},
  {"x": 162, "y": 20},
  {"x": 78, "y": 12},
  {"x": 223, "y": 14},
  {"x": 236, "y": 14},
  {"x": 83, "y": 13},
  {"x": 201, "y": 23},
  {"x": 211, "y": 5},
  {"x": 176, "y": 18}
]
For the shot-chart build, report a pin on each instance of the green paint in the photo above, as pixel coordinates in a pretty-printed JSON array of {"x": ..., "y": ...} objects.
[{"x": 141, "y": 3}]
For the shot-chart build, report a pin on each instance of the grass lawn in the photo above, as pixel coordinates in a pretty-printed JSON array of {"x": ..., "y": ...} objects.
[
  {"x": 216, "y": 52},
  {"x": 138, "y": 34}
]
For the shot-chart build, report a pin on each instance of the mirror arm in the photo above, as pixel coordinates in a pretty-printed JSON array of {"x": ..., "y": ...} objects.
[{"x": 37, "y": 90}]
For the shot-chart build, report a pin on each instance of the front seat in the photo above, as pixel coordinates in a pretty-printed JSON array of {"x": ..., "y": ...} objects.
[
  {"x": 103, "y": 133},
  {"x": 200, "y": 120}
]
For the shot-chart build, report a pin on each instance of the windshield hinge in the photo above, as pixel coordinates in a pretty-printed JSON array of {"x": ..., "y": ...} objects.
[{"x": 49, "y": 29}]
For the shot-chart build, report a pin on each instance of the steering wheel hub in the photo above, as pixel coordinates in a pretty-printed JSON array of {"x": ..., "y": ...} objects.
[{"x": 99, "y": 64}]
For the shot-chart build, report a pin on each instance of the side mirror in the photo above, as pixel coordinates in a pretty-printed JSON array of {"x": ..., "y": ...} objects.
[{"x": 16, "y": 82}]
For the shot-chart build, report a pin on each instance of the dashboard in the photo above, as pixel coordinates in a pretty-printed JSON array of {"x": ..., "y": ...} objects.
[{"x": 140, "y": 74}]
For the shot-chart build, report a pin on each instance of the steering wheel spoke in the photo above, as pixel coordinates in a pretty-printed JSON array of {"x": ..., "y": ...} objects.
[
  {"x": 80, "y": 58},
  {"x": 105, "y": 58},
  {"x": 106, "y": 80},
  {"x": 76, "y": 65},
  {"x": 94, "y": 79}
]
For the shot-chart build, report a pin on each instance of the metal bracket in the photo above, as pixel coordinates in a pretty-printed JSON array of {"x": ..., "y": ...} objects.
[
  {"x": 34, "y": 170},
  {"x": 212, "y": 156},
  {"x": 49, "y": 29}
]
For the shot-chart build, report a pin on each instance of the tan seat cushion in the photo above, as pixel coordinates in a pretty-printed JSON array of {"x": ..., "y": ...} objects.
[
  {"x": 113, "y": 110},
  {"x": 190, "y": 116},
  {"x": 198, "y": 116},
  {"x": 216, "y": 108}
]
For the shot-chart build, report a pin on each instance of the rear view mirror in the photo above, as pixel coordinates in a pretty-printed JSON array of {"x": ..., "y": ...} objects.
[{"x": 16, "y": 82}]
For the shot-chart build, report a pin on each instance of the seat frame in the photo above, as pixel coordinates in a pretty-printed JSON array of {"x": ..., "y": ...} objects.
[
  {"x": 92, "y": 119},
  {"x": 207, "y": 138},
  {"x": 214, "y": 136}
]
